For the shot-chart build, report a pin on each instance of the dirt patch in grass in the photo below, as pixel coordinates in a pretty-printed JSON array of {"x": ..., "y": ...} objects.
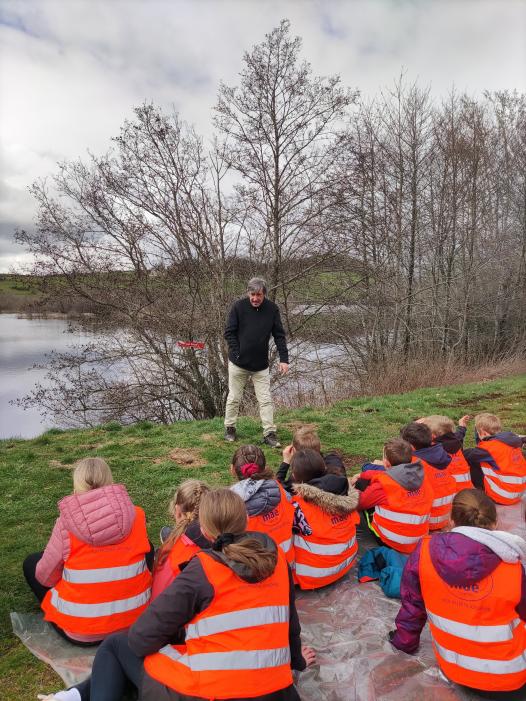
[
  {"x": 60, "y": 465},
  {"x": 294, "y": 425},
  {"x": 353, "y": 461},
  {"x": 92, "y": 446},
  {"x": 474, "y": 400},
  {"x": 208, "y": 437},
  {"x": 187, "y": 458}
]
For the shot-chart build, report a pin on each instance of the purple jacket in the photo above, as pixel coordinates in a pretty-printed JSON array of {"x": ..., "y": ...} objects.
[{"x": 459, "y": 560}]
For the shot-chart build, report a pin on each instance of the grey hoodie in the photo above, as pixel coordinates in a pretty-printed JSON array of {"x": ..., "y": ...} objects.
[{"x": 408, "y": 475}]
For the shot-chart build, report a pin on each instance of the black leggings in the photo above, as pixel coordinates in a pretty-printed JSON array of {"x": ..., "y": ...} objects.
[
  {"x": 29, "y": 567},
  {"x": 115, "y": 667}
]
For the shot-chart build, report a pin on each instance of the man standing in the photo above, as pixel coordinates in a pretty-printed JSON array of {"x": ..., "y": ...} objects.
[{"x": 251, "y": 322}]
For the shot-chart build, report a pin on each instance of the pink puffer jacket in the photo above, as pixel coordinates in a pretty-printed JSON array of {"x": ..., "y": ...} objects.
[{"x": 99, "y": 517}]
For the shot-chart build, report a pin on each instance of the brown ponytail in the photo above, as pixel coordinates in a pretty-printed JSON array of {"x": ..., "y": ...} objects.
[
  {"x": 251, "y": 455},
  {"x": 223, "y": 512},
  {"x": 188, "y": 498},
  {"x": 471, "y": 507}
]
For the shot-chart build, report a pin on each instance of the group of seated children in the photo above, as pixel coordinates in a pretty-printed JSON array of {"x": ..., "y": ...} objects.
[{"x": 213, "y": 614}]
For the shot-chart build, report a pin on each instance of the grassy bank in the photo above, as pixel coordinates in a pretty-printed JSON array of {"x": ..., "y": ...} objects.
[{"x": 151, "y": 460}]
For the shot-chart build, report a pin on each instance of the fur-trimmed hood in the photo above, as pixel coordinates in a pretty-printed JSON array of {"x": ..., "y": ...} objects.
[{"x": 326, "y": 501}]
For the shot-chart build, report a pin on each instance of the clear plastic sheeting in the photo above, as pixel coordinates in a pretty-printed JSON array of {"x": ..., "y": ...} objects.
[
  {"x": 71, "y": 662},
  {"x": 347, "y": 624}
]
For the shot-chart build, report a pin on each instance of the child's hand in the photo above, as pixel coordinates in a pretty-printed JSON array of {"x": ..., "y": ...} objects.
[
  {"x": 465, "y": 420},
  {"x": 309, "y": 655},
  {"x": 288, "y": 452},
  {"x": 377, "y": 462},
  {"x": 354, "y": 479}
]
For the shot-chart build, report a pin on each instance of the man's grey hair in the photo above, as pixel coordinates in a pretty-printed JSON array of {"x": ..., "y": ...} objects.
[{"x": 256, "y": 284}]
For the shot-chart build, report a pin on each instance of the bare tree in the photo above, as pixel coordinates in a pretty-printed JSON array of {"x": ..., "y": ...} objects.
[
  {"x": 283, "y": 129},
  {"x": 146, "y": 235}
]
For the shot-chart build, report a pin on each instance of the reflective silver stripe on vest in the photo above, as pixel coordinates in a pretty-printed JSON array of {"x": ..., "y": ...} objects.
[
  {"x": 478, "y": 634},
  {"x": 234, "y": 620},
  {"x": 103, "y": 574},
  {"x": 238, "y": 660},
  {"x": 396, "y": 537},
  {"x": 508, "y": 479},
  {"x": 318, "y": 572},
  {"x": 503, "y": 492},
  {"x": 107, "y": 608},
  {"x": 439, "y": 519},
  {"x": 442, "y": 501},
  {"x": 321, "y": 549},
  {"x": 484, "y": 666},
  {"x": 285, "y": 545},
  {"x": 464, "y": 477},
  {"x": 400, "y": 517}
]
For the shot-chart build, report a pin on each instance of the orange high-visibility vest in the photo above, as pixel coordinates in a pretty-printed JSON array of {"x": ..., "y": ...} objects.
[
  {"x": 459, "y": 469},
  {"x": 329, "y": 552},
  {"x": 478, "y": 638},
  {"x": 444, "y": 489},
  {"x": 507, "y": 485},
  {"x": 103, "y": 589},
  {"x": 405, "y": 519},
  {"x": 277, "y": 524},
  {"x": 182, "y": 550},
  {"x": 239, "y": 645}
]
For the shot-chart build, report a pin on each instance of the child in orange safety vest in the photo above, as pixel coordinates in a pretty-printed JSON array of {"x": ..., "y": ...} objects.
[
  {"x": 497, "y": 464},
  {"x": 269, "y": 507},
  {"x": 226, "y": 628},
  {"x": 182, "y": 541},
  {"x": 93, "y": 577},
  {"x": 443, "y": 431},
  {"x": 396, "y": 501},
  {"x": 470, "y": 585},
  {"x": 326, "y": 549},
  {"x": 436, "y": 467}
]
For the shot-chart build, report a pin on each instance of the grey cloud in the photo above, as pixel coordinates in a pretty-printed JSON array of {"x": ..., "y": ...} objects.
[{"x": 73, "y": 71}]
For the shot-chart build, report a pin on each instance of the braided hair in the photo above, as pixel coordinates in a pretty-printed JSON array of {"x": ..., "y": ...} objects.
[{"x": 187, "y": 498}]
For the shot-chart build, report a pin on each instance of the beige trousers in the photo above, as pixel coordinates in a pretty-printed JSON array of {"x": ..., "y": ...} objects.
[{"x": 237, "y": 379}]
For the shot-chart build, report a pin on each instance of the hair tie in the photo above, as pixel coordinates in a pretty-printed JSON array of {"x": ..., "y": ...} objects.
[
  {"x": 249, "y": 469},
  {"x": 222, "y": 540}
]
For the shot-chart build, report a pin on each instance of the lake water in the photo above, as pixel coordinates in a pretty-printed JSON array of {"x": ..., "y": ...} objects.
[
  {"x": 23, "y": 343},
  {"x": 316, "y": 370}
]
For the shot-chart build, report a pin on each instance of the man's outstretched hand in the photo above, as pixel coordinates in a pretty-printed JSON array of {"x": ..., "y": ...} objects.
[{"x": 283, "y": 368}]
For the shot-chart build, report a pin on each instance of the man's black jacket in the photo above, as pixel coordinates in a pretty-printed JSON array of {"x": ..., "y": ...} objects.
[{"x": 248, "y": 330}]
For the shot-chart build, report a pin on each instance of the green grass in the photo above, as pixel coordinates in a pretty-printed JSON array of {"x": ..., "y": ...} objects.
[
  {"x": 21, "y": 285},
  {"x": 36, "y": 473}
]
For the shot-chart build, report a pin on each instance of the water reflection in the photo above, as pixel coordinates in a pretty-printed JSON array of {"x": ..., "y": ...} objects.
[{"x": 23, "y": 343}]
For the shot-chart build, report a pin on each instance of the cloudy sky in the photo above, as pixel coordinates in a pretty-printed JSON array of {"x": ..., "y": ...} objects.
[{"x": 72, "y": 70}]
